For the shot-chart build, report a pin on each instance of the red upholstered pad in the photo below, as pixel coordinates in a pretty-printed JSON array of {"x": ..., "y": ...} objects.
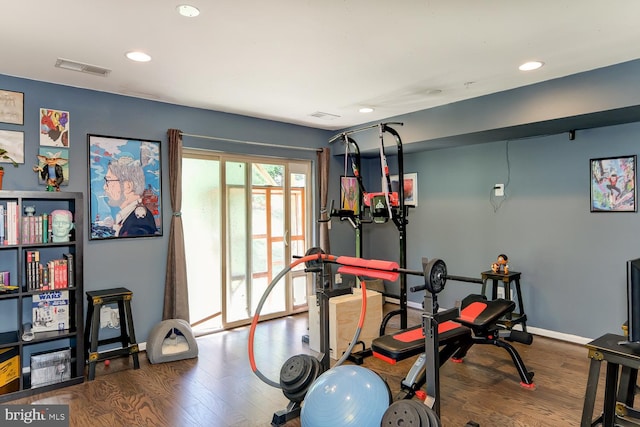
[
  {"x": 479, "y": 314},
  {"x": 377, "y": 269},
  {"x": 410, "y": 342},
  {"x": 417, "y": 333}
]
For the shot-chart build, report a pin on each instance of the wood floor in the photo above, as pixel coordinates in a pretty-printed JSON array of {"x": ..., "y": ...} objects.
[{"x": 219, "y": 388}]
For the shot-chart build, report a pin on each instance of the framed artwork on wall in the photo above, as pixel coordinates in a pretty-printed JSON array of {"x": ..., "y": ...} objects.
[
  {"x": 410, "y": 188},
  {"x": 11, "y": 107},
  {"x": 13, "y": 142},
  {"x": 54, "y": 127},
  {"x": 125, "y": 192},
  {"x": 349, "y": 194},
  {"x": 613, "y": 184}
]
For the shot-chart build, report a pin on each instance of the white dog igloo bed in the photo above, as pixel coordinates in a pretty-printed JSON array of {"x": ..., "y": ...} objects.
[{"x": 171, "y": 340}]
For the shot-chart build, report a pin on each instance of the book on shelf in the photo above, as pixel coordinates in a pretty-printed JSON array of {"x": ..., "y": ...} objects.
[
  {"x": 70, "y": 269},
  {"x": 2, "y": 224},
  {"x": 50, "y": 311},
  {"x": 50, "y": 367},
  {"x": 11, "y": 223}
]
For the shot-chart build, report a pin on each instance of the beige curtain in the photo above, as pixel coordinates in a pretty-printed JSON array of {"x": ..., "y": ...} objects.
[
  {"x": 324, "y": 159},
  {"x": 176, "y": 295}
]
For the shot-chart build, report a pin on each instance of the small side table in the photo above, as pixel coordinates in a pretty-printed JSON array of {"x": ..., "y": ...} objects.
[
  {"x": 505, "y": 280},
  {"x": 607, "y": 348},
  {"x": 127, "y": 337}
]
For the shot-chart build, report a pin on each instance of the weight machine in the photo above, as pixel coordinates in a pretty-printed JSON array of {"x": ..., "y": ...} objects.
[{"x": 381, "y": 206}]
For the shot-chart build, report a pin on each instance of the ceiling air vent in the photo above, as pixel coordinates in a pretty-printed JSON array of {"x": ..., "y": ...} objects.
[
  {"x": 67, "y": 64},
  {"x": 325, "y": 116}
]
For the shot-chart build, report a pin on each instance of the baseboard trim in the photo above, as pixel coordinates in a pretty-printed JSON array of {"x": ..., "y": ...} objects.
[{"x": 535, "y": 331}]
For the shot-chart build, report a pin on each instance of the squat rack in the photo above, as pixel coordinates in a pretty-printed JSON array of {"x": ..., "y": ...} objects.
[{"x": 398, "y": 216}]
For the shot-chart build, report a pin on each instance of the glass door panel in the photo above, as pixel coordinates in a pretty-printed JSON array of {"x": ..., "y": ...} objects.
[
  {"x": 268, "y": 232},
  {"x": 298, "y": 232},
  {"x": 202, "y": 235},
  {"x": 243, "y": 224},
  {"x": 237, "y": 295}
]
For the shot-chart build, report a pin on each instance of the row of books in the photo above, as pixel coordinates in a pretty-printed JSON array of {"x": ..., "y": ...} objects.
[
  {"x": 15, "y": 229},
  {"x": 54, "y": 274},
  {"x": 36, "y": 229},
  {"x": 9, "y": 224}
]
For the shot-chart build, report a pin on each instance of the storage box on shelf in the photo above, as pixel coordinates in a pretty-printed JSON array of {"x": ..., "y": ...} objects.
[{"x": 41, "y": 292}]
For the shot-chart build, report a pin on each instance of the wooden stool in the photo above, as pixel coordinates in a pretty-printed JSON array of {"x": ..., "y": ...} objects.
[{"x": 95, "y": 300}]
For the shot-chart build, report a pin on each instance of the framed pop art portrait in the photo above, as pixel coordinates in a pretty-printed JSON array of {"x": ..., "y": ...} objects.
[
  {"x": 125, "y": 191},
  {"x": 613, "y": 184}
]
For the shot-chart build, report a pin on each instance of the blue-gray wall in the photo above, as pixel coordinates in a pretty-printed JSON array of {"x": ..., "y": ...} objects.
[
  {"x": 572, "y": 261},
  {"x": 138, "y": 264}
]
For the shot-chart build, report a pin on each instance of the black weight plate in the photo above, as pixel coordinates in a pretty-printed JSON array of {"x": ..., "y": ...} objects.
[
  {"x": 296, "y": 392},
  {"x": 435, "y": 276},
  {"x": 401, "y": 413},
  {"x": 422, "y": 411},
  {"x": 433, "y": 418},
  {"x": 313, "y": 263},
  {"x": 294, "y": 369}
]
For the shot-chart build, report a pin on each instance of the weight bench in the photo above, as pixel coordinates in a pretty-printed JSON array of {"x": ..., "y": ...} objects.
[{"x": 476, "y": 324}]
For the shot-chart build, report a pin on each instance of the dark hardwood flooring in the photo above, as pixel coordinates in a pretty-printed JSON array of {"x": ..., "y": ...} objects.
[{"x": 219, "y": 388}]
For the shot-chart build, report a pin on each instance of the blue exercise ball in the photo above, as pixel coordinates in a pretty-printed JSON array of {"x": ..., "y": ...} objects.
[{"x": 346, "y": 395}]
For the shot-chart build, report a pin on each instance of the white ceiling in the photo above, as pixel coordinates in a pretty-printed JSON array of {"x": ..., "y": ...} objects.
[{"x": 288, "y": 59}]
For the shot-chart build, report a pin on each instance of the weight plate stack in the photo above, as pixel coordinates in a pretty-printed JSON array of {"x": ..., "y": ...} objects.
[
  {"x": 297, "y": 374},
  {"x": 409, "y": 413}
]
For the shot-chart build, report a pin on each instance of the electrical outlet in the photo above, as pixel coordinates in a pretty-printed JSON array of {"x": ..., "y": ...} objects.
[{"x": 499, "y": 190}]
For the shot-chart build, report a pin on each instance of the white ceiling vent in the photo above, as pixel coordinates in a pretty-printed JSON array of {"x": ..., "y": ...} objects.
[
  {"x": 325, "y": 116},
  {"x": 68, "y": 64}
]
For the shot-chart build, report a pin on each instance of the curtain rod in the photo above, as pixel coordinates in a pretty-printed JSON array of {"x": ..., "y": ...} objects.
[{"x": 263, "y": 144}]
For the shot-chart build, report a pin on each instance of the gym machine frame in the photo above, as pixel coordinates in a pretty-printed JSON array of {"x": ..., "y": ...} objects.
[{"x": 397, "y": 215}]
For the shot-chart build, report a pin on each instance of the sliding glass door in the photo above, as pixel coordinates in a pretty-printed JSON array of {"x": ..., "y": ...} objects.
[{"x": 254, "y": 214}]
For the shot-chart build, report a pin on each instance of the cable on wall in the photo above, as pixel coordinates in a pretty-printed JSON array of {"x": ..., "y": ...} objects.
[
  {"x": 240, "y": 141},
  {"x": 506, "y": 184}
]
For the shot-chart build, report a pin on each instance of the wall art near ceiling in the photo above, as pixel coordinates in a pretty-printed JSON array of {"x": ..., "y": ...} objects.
[
  {"x": 11, "y": 107},
  {"x": 54, "y": 127},
  {"x": 410, "y": 188},
  {"x": 613, "y": 184},
  {"x": 349, "y": 194},
  {"x": 125, "y": 193},
  {"x": 13, "y": 142}
]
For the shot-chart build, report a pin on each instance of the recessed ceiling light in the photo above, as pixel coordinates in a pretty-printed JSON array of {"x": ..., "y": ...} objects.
[
  {"x": 530, "y": 66},
  {"x": 188, "y": 11},
  {"x": 366, "y": 110},
  {"x": 138, "y": 56}
]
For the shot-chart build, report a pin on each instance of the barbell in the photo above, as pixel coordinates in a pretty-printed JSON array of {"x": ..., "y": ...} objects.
[{"x": 434, "y": 271}]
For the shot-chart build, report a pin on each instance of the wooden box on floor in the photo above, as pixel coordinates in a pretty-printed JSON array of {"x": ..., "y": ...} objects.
[{"x": 344, "y": 313}]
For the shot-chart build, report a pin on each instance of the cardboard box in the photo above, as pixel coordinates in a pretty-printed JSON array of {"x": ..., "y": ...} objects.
[
  {"x": 50, "y": 367},
  {"x": 50, "y": 311},
  {"x": 344, "y": 313},
  {"x": 9, "y": 370}
]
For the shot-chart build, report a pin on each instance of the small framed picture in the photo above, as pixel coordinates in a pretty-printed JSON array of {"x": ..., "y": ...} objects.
[
  {"x": 613, "y": 184},
  {"x": 11, "y": 107},
  {"x": 349, "y": 194},
  {"x": 410, "y": 188}
]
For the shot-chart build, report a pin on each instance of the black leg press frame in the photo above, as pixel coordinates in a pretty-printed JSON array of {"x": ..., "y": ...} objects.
[{"x": 475, "y": 324}]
